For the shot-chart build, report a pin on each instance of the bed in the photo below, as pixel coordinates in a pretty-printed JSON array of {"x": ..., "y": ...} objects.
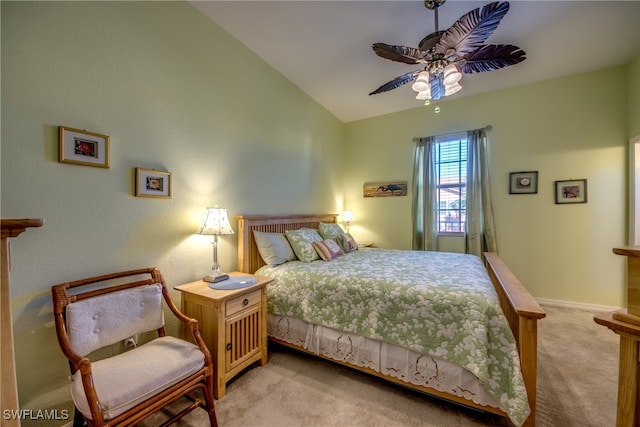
[{"x": 492, "y": 368}]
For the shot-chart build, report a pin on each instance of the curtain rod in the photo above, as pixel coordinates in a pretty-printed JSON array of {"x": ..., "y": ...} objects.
[{"x": 417, "y": 138}]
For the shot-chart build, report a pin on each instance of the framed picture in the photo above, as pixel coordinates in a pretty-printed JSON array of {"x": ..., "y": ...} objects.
[
  {"x": 81, "y": 147},
  {"x": 571, "y": 191},
  {"x": 385, "y": 189},
  {"x": 523, "y": 182},
  {"x": 153, "y": 183}
]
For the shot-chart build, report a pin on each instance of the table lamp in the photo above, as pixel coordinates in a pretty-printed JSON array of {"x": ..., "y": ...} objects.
[
  {"x": 216, "y": 223},
  {"x": 347, "y": 217}
]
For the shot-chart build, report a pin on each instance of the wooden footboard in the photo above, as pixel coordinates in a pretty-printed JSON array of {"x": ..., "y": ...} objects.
[
  {"x": 520, "y": 308},
  {"x": 522, "y": 312}
]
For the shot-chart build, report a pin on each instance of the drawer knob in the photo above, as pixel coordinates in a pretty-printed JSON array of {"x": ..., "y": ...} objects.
[
  {"x": 228, "y": 347},
  {"x": 245, "y": 302}
]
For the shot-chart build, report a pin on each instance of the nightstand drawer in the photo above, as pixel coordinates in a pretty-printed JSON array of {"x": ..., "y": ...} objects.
[{"x": 242, "y": 302}]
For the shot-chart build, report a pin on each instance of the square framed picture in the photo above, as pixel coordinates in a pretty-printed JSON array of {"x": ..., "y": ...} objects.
[
  {"x": 523, "y": 182},
  {"x": 153, "y": 183},
  {"x": 80, "y": 147},
  {"x": 571, "y": 191}
]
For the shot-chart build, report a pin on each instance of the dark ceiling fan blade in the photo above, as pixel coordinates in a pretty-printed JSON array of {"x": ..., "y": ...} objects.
[
  {"x": 408, "y": 55},
  {"x": 397, "y": 82},
  {"x": 492, "y": 57},
  {"x": 470, "y": 31}
]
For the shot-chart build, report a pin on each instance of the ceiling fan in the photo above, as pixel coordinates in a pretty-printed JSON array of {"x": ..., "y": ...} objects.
[{"x": 447, "y": 54}]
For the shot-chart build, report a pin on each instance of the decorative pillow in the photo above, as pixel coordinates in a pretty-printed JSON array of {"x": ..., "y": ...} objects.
[
  {"x": 328, "y": 249},
  {"x": 302, "y": 243},
  {"x": 348, "y": 243},
  {"x": 330, "y": 230},
  {"x": 335, "y": 232},
  {"x": 274, "y": 248}
]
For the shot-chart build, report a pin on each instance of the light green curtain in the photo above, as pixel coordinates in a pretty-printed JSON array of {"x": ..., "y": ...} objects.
[
  {"x": 480, "y": 228},
  {"x": 423, "y": 212}
]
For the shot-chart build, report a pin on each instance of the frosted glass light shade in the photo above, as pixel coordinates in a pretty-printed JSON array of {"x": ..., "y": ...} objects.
[
  {"x": 451, "y": 89},
  {"x": 424, "y": 95},
  {"x": 422, "y": 82},
  {"x": 451, "y": 75}
]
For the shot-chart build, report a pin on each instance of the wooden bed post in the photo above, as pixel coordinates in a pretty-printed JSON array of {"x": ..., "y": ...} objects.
[{"x": 522, "y": 312}]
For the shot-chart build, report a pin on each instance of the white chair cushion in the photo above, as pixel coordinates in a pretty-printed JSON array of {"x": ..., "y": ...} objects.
[
  {"x": 106, "y": 319},
  {"x": 129, "y": 378}
]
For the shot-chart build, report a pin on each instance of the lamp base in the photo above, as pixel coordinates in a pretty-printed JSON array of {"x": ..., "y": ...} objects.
[{"x": 217, "y": 278}]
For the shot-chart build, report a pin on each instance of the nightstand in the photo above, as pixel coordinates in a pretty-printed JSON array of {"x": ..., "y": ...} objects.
[
  {"x": 233, "y": 324},
  {"x": 366, "y": 244}
]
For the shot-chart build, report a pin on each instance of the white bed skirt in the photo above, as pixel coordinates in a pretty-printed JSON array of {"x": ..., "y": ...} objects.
[{"x": 387, "y": 359}]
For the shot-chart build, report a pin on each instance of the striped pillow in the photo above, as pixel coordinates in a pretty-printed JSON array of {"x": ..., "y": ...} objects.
[{"x": 328, "y": 249}]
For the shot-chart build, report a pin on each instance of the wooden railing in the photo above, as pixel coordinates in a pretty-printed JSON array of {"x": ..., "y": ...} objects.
[{"x": 9, "y": 399}]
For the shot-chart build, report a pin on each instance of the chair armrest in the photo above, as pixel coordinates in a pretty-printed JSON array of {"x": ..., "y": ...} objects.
[{"x": 191, "y": 322}]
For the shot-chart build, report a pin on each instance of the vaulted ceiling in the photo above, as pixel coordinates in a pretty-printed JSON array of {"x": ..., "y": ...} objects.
[{"x": 324, "y": 47}]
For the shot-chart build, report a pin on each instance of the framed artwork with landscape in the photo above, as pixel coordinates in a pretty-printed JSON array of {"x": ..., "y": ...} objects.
[
  {"x": 385, "y": 189},
  {"x": 81, "y": 147},
  {"x": 523, "y": 182},
  {"x": 153, "y": 183},
  {"x": 571, "y": 191}
]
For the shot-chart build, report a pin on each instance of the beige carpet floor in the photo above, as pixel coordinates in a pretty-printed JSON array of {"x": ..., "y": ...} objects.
[{"x": 577, "y": 386}]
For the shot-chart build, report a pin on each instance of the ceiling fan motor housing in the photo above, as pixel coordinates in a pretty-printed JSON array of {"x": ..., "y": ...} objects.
[{"x": 433, "y": 4}]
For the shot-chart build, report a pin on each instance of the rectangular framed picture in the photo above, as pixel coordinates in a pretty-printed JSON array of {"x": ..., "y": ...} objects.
[
  {"x": 385, "y": 189},
  {"x": 571, "y": 191},
  {"x": 523, "y": 182},
  {"x": 153, "y": 183},
  {"x": 80, "y": 147}
]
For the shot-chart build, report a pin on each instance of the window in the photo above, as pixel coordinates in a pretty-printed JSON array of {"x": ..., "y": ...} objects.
[{"x": 451, "y": 176}]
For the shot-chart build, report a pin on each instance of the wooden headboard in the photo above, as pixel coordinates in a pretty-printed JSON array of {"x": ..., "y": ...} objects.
[{"x": 249, "y": 259}]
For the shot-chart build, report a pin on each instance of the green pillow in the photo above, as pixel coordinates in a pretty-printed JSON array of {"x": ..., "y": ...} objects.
[
  {"x": 302, "y": 243},
  {"x": 330, "y": 230}
]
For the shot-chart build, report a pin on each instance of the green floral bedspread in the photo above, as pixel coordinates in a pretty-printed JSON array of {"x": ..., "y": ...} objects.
[{"x": 440, "y": 304}]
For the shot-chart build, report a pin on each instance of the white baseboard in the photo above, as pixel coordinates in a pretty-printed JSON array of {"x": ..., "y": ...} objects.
[{"x": 575, "y": 305}]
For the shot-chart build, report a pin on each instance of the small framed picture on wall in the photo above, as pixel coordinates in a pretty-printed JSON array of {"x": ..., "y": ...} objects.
[
  {"x": 81, "y": 147},
  {"x": 523, "y": 182},
  {"x": 153, "y": 183},
  {"x": 571, "y": 191}
]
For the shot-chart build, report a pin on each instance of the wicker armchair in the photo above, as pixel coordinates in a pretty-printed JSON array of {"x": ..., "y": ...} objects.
[{"x": 127, "y": 388}]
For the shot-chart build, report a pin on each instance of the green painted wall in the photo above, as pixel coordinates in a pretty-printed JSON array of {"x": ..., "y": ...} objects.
[
  {"x": 177, "y": 93},
  {"x": 174, "y": 92},
  {"x": 562, "y": 128}
]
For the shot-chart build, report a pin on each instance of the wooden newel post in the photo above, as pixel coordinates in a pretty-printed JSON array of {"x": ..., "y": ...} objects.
[
  {"x": 626, "y": 323},
  {"x": 632, "y": 313},
  {"x": 9, "y": 399}
]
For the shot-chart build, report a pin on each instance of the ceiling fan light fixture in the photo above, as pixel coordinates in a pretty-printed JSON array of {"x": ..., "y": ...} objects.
[
  {"x": 451, "y": 75},
  {"x": 452, "y": 88},
  {"x": 437, "y": 67},
  {"x": 424, "y": 95},
  {"x": 422, "y": 82},
  {"x": 445, "y": 55},
  {"x": 420, "y": 86}
]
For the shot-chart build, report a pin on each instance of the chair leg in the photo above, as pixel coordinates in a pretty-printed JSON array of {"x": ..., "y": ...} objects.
[
  {"x": 208, "y": 397},
  {"x": 78, "y": 419}
]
